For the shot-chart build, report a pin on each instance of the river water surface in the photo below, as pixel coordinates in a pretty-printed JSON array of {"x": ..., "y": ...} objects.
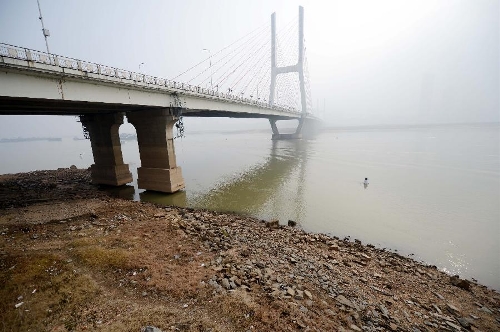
[{"x": 433, "y": 193}]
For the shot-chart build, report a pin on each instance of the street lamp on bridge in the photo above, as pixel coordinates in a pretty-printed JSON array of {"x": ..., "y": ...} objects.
[{"x": 210, "y": 61}]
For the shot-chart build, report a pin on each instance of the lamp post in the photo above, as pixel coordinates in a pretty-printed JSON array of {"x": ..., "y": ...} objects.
[
  {"x": 45, "y": 32},
  {"x": 211, "y": 72}
]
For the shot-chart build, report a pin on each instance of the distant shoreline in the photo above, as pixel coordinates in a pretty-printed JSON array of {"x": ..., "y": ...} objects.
[{"x": 30, "y": 139}]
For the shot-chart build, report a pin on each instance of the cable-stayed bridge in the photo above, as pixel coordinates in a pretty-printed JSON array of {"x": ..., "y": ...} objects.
[{"x": 254, "y": 77}]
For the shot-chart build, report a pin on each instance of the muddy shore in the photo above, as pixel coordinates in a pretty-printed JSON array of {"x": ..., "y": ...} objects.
[{"x": 73, "y": 258}]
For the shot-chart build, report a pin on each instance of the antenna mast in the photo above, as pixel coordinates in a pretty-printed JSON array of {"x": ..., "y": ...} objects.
[{"x": 46, "y": 32}]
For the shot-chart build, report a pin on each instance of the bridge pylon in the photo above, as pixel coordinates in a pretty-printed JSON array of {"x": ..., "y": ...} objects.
[{"x": 297, "y": 68}]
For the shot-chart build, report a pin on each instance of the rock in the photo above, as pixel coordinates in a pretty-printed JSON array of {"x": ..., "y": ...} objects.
[
  {"x": 334, "y": 247},
  {"x": 72, "y": 167},
  {"x": 393, "y": 327},
  {"x": 292, "y": 223},
  {"x": 438, "y": 295},
  {"x": 225, "y": 283},
  {"x": 308, "y": 294},
  {"x": 342, "y": 300},
  {"x": 290, "y": 291},
  {"x": 273, "y": 223},
  {"x": 329, "y": 312},
  {"x": 299, "y": 295},
  {"x": 464, "y": 322},
  {"x": 152, "y": 329},
  {"x": 453, "y": 326},
  {"x": 452, "y": 309},
  {"x": 461, "y": 283},
  {"x": 486, "y": 310},
  {"x": 384, "y": 310},
  {"x": 354, "y": 327}
]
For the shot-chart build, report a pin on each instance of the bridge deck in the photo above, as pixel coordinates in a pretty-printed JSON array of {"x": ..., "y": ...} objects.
[{"x": 33, "y": 82}]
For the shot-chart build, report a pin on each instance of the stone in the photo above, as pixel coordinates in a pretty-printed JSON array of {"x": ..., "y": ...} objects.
[
  {"x": 464, "y": 322},
  {"x": 486, "y": 310},
  {"x": 225, "y": 283},
  {"x": 451, "y": 308},
  {"x": 384, "y": 310},
  {"x": 273, "y": 223},
  {"x": 461, "y": 283},
  {"x": 342, "y": 300},
  {"x": 308, "y": 294},
  {"x": 299, "y": 295},
  {"x": 72, "y": 167},
  {"x": 292, "y": 223},
  {"x": 439, "y": 295},
  {"x": 290, "y": 291},
  {"x": 354, "y": 327},
  {"x": 152, "y": 329},
  {"x": 329, "y": 312},
  {"x": 454, "y": 326}
]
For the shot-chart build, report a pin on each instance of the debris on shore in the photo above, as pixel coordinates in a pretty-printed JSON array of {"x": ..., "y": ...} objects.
[{"x": 72, "y": 259}]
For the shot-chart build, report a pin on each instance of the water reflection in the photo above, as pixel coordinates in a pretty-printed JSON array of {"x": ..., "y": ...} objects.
[
  {"x": 176, "y": 199},
  {"x": 263, "y": 184},
  {"x": 124, "y": 192}
]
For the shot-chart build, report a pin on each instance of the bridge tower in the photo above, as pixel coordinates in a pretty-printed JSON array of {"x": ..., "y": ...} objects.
[{"x": 297, "y": 68}]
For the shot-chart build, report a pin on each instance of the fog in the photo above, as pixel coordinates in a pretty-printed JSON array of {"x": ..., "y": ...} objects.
[{"x": 370, "y": 62}]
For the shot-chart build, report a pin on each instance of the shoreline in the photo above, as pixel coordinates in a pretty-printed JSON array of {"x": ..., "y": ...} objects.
[{"x": 140, "y": 264}]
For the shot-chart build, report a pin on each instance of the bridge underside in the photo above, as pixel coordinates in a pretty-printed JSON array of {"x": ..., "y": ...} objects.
[{"x": 39, "y": 106}]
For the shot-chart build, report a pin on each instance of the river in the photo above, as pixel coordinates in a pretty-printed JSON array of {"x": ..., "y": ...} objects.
[{"x": 433, "y": 193}]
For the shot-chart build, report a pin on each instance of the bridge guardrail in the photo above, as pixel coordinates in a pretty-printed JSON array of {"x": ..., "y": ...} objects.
[{"x": 21, "y": 53}]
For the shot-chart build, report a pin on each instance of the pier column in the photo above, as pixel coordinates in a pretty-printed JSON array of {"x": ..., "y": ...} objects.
[
  {"x": 108, "y": 167},
  {"x": 158, "y": 171}
]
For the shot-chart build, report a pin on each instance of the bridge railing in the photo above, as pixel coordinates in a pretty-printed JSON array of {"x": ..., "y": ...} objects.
[{"x": 86, "y": 67}]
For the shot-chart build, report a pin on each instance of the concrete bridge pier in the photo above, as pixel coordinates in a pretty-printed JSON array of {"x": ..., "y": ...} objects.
[
  {"x": 108, "y": 167},
  {"x": 158, "y": 171},
  {"x": 277, "y": 136}
]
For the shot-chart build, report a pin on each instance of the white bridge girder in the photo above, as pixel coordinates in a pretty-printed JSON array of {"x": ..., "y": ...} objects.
[{"x": 25, "y": 85}]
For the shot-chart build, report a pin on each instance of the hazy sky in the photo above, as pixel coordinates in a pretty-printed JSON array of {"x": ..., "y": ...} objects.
[{"x": 370, "y": 62}]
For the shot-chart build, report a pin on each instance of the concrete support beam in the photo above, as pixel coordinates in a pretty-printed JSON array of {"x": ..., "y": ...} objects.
[
  {"x": 158, "y": 171},
  {"x": 108, "y": 167}
]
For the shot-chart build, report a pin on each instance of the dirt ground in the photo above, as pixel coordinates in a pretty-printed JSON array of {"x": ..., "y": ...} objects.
[{"x": 73, "y": 259}]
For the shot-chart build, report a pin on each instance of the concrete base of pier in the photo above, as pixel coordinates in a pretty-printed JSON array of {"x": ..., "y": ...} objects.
[
  {"x": 160, "y": 179},
  {"x": 111, "y": 175},
  {"x": 286, "y": 136}
]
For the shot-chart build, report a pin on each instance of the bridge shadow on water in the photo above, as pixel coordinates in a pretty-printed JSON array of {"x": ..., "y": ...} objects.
[{"x": 265, "y": 190}]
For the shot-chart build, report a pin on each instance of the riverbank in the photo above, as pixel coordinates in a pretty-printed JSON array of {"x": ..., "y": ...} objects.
[{"x": 73, "y": 258}]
